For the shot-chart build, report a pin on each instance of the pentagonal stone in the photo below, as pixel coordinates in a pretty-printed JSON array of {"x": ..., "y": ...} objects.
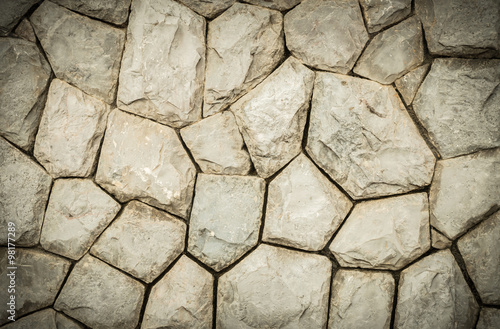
[
  {"x": 24, "y": 191},
  {"x": 438, "y": 240},
  {"x": 304, "y": 208},
  {"x": 480, "y": 249},
  {"x": 489, "y": 318},
  {"x": 393, "y": 52},
  {"x": 225, "y": 219},
  {"x": 361, "y": 300},
  {"x": 408, "y": 84},
  {"x": 142, "y": 241},
  {"x": 362, "y": 136},
  {"x": 273, "y": 115},
  {"x": 45, "y": 319},
  {"x": 192, "y": 287},
  {"x": 433, "y": 293},
  {"x": 114, "y": 11},
  {"x": 217, "y": 145},
  {"x": 276, "y": 4},
  {"x": 144, "y": 160},
  {"x": 77, "y": 213},
  {"x": 82, "y": 51},
  {"x": 275, "y": 288},
  {"x": 101, "y": 296},
  {"x": 463, "y": 190},
  {"x": 37, "y": 278},
  {"x": 463, "y": 117},
  {"x": 244, "y": 45},
  {"x": 11, "y": 12},
  {"x": 208, "y": 8},
  {"x": 162, "y": 72},
  {"x": 25, "y": 31},
  {"x": 328, "y": 35},
  {"x": 70, "y": 132},
  {"x": 381, "y": 13},
  {"x": 399, "y": 233},
  {"x": 24, "y": 76}
]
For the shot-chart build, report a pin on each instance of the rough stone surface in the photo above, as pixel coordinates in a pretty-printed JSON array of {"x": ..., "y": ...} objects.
[
  {"x": 381, "y": 13},
  {"x": 11, "y": 12},
  {"x": 114, "y": 11},
  {"x": 225, "y": 219},
  {"x": 144, "y": 160},
  {"x": 489, "y": 318},
  {"x": 273, "y": 115},
  {"x": 392, "y": 53},
  {"x": 119, "y": 296},
  {"x": 45, "y": 319},
  {"x": 361, "y": 300},
  {"x": 25, "y": 31},
  {"x": 38, "y": 278},
  {"x": 208, "y": 8},
  {"x": 408, "y": 84},
  {"x": 398, "y": 234},
  {"x": 463, "y": 190},
  {"x": 480, "y": 250},
  {"x": 463, "y": 115},
  {"x": 275, "y": 4},
  {"x": 81, "y": 51},
  {"x": 328, "y": 35},
  {"x": 304, "y": 208},
  {"x": 163, "y": 66},
  {"x": 192, "y": 287},
  {"x": 24, "y": 76},
  {"x": 244, "y": 45},
  {"x": 439, "y": 241},
  {"x": 64, "y": 322},
  {"x": 70, "y": 131},
  {"x": 24, "y": 191},
  {"x": 217, "y": 145},
  {"x": 433, "y": 294},
  {"x": 362, "y": 136},
  {"x": 142, "y": 241},
  {"x": 77, "y": 213},
  {"x": 275, "y": 288}
]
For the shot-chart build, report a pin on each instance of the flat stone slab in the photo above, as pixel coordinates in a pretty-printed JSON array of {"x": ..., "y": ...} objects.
[
  {"x": 381, "y": 13},
  {"x": 11, "y": 11},
  {"x": 208, "y": 8},
  {"x": 114, "y": 11},
  {"x": 409, "y": 83},
  {"x": 489, "y": 318},
  {"x": 45, "y": 319}
]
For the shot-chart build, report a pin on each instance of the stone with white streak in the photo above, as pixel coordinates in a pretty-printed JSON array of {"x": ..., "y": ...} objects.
[
  {"x": 439, "y": 241},
  {"x": 489, "y": 318},
  {"x": 275, "y": 4},
  {"x": 272, "y": 116},
  {"x": 163, "y": 65},
  {"x": 208, "y": 8},
  {"x": 113, "y": 11},
  {"x": 11, "y": 11},
  {"x": 409, "y": 83},
  {"x": 381, "y": 13}
]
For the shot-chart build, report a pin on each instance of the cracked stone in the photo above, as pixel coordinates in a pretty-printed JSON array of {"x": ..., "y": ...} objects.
[
  {"x": 280, "y": 5},
  {"x": 45, "y": 319},
  {"x": 112, "y": 11},
  {"x": 381, "y": 13},
  {"x": 208, "y": 8},
  {"x": 489, "y": 318},
  {"x": 25, "y": 31},
  {"x": 409, "y": 83},
  {"x": 439, "y": 241},
  {"x": 11, "y": 11},
  {"x": 225, "y": 219}
]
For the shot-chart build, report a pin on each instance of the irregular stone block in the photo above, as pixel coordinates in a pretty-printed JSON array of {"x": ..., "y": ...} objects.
[
  {"x": 208, "y": 8},
  {"x": 11, "y": 12},
  {"x": 439, "y": 241},
  {"x": 276, "y": 4},
  {"x": 489, "y": 318},
  {"x": 408, "y": 84},
  {"x": 45, "y": 319},
  {"x": 64, "y": 322},
  {"x": 25, "y": 31},
  {"x": 381, "y": 13},
  {"x": 113, "y": 11}
]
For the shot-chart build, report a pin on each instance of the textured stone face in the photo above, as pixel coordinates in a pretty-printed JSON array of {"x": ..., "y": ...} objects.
[
  {"x": 381, "y": 13},
  {"x": 398, "y": 234},
  {"x": 408, "y": 84},
  {"x": 225, "y": 219},
  {"x": 276, "y": 4},
  {"x": 275, "y": 288},
  {"x": 11, "y": 12},
  {"x": 362, "y": 136},
  {"x": 162, "y": 73},
  {"x": 192, "y": 287},
  {"x": 463, "y": 116},
  {"x": 463, "y": 190},
  {"x": 489, "y": 318},
  {"x": 304, "y": 208},
  {"x": 45, "y": 319},
  {"x": 24, "y": 76},
  {"x": 114, "y": 11},
  {"x": 433, "y": 294},
  {"x": 439, "y": 241},
  {"x": 326, "y": 34},
  {"x": 119, "y": 296},
  {"x": 81, "y": 51},
  {"x": 273, "y": 115},
  {"x": 144, "y": 160},
  {"x": 244, "y": 45},
  {"x": 208, "y": 8},
  {"x": 25, "y": 31}
]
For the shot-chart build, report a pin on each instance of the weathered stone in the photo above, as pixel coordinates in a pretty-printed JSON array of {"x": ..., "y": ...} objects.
[
  {"x": 82, "y": 51},
  {"x": 225, "y": 219},
  {"x": 45, "y": 319},
  {"x": 489, "y": 318},
  {"x": 460, "y": 27},
  {"x": 192, "y": 287},
  {"x": 275, "y": 288},
  {"x": 24, "y": 76},
  {"x": 142, "y": 241},
  {"x": 208, "y": 8},
  {"x": 463, "y": 190},
  {"x": 463, "y": 116},
  {"x": 11, "y": 12},
  {"x": 381, "y": 13},
  {"x": 439, "y": 241},
  {"x": 25, "y": 31},
  {"x": 119, "y": 297},
  {"x": 362, "y": 136},
  {"x": 244, "y": 45},
  {"x": 217, "y": 145},
  {"x": 434, "y": 294},
  {"x": 304, "y": 208},
  {"x": 144, "y": 160},
  {"x": 24, "y": 191},
  {"x": 275, "y": 4},
  {"x": 77, "y": 213},
  {"x": 163, "y": 66},
  {"x": 361, "y": 300},
  {"x": 64, "y": 322},
  {"x": 408, "y": 84},
  {"x": 480, "y": 249},
  {"x": 70, "y": 131},
  {"x": 273, "y": 115},
  {"x": 398, "y": 234},
  {"x": 392, "y": 53},
  {"x": 38, "y": 277},
  {"x": 113, "y": 11},
  {"x": 328, "y": 35}
]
